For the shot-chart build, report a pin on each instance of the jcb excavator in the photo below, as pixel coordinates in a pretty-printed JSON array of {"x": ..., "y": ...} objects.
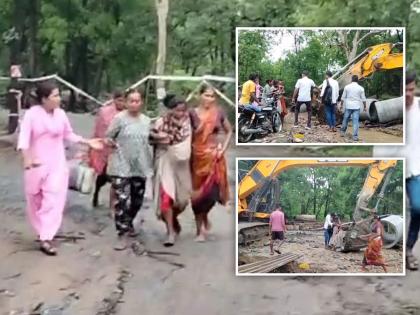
[
  {"x": 264, "y": 174},
  {"x": 372, "y": 59},
  {"x": 380, "y": 57}
]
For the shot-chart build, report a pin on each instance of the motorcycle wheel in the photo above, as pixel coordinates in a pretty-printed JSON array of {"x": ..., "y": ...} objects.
[
  {"x": 276, "y": 122},
  {"x": 243, "y": 123}
]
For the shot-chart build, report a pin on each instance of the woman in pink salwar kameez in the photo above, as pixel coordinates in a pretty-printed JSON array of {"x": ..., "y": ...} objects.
[{"x": 41, "y": 140}]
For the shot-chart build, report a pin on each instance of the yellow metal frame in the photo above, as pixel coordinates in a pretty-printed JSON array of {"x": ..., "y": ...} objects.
[
  {"x": 378, "y": 57},
  {"x": 268, "y": 169}
]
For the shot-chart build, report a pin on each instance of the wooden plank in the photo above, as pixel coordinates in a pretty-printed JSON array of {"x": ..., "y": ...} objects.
[{"x": 269, "y": 264}]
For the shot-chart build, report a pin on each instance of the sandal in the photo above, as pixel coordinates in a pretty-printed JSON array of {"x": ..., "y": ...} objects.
[
  {"x": 48, "y": 249},
  {"x": 412, "y": 262}
]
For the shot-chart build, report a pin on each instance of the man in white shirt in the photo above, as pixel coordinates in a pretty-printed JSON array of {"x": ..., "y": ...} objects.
[
  {"x": 303, "y": 95},
  {"x": 353, "y": 98},
  {"x": 327, "y": 229},
  {"x": 411, "y": 151},
  {"x": 329, "y": 96}
]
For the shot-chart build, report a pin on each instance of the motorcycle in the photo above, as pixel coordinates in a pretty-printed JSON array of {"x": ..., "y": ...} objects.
[{"x": 251, "y": 123}]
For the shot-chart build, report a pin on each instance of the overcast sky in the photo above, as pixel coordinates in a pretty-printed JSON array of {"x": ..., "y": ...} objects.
[{"x": 284, "y": 43}]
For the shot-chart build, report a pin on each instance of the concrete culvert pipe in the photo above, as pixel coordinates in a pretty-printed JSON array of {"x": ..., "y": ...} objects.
[
  {"x": 386, "y": 111},
  {"x": 394, "y": 227},
  {"x": 364, "y": 115}
]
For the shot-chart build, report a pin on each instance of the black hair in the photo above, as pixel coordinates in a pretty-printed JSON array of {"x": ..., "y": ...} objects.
[
  {"x": 171, "y": 101},
  {"x": 44, "y": 90},
  {"x": 204, "y": 88},
  {"x": 117, "y": 94},
  {"x": 305, "y": 72},
  {"x": 128, "y": 92},
  {"x": 410, "y": 76},
  {"x": 268, "y": 81},
  {"x": 354, "y": 78},
  {"x": 253, "y": 76},
  {"x": 376, "y": 217},
  {"x": 329, "y": 73}
]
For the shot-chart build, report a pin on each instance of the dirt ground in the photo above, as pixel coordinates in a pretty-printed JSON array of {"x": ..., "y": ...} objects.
[
  {"x": 89, "y": 277},
  {"x": 320, "y": 134},
  {"x": 311, "y": 246}
]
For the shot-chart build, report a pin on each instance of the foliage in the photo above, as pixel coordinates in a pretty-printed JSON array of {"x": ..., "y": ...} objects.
[
  {"x": 319, "y": 190},
  {"x": 315, "y": 52},
  {"x": 100, "y": 45}
]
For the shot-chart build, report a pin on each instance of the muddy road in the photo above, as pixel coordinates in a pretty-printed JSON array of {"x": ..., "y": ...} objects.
[
  {"x": 320, "y": 260},
  {"x": 319, "y": 133},
  {"x": 89, "y": 277}
]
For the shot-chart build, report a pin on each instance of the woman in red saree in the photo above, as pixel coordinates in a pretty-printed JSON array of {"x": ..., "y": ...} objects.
[
  {"x": 208, "y": 163},
  {"x": 373, "y": 253}
]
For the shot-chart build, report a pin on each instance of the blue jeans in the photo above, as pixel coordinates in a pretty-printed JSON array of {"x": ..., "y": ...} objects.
[
  {"x": 354, "y": 113},
  {"x": 413, "y": 192},
  {"x": 253, "y": 106},
  {"x": 330, "y": 114},
  {"x": 327, "y": 237}
]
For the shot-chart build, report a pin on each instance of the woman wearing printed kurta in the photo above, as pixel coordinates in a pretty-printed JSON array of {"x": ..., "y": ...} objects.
[
  {"x": 41, "y": 140},
  {"x": 208, "y": 163},
  {"x": 130, "y": 163},
  {"x": 171, "y": 135}
]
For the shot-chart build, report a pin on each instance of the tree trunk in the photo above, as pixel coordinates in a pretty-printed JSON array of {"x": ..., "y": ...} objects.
[
  {"x": 162, "y": 7},
  {"x": 314, "y": 188},
  {"x": 33, "y": 33},
  {"x": 16, "y": 40}
]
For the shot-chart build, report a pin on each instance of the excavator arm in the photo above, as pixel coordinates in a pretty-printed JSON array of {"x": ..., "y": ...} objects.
[
  {"x": 265, "y": 170},
  {"x": 372, "y": 59}
]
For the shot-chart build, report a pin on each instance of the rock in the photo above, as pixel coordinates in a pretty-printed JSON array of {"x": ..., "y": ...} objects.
[{"x": 7, "y": 293}]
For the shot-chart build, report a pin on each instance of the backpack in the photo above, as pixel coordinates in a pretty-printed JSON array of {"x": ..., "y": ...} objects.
[{"x": 327, "y": 97}]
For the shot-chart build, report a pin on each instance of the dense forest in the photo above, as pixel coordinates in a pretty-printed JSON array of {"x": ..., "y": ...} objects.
[
  {"x": 318, "y": 190},
  {"x": 316, "y": 51},
  {"x": 100, "y": 45}
]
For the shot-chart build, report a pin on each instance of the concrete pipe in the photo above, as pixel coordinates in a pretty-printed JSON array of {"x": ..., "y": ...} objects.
[
  {"x": 302, "y": 108},
  {"x": 394, "y": 227},
  {"x": 386, "y": 111},
  {"x": 364, "y": 115}
]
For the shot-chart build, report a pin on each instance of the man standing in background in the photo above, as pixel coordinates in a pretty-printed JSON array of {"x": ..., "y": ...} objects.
[
  {"x": 329, "y": 95},
  {"x": 353, "y": 98},
  {"x": 303, "y": 95},
  {"x": 328, "y": 225}
]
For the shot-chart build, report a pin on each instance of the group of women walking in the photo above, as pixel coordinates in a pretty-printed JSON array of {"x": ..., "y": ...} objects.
[{"x": 181, "y": 153}]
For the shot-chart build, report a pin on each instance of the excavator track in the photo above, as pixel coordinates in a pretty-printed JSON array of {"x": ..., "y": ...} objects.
[{"x": 249, "y": 232}]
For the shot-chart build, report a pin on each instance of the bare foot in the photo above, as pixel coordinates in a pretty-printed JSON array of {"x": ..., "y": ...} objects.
[
  {"x": 170, "y": 241},
  {"x": 200, "y": 238}
]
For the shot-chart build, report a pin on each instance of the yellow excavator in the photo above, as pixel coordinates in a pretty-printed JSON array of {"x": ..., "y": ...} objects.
[
  {"x": 264, "y": 172},
  {"x": 372, "y": 59},
  {"x": 375, "y": 58}
]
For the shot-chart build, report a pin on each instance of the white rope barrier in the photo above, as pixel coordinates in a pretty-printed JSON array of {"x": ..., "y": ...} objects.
[
  {"x": 78, "y": 90},
  {"x": 202, "y": 79},
  {"x": 229, "y": 101}
]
